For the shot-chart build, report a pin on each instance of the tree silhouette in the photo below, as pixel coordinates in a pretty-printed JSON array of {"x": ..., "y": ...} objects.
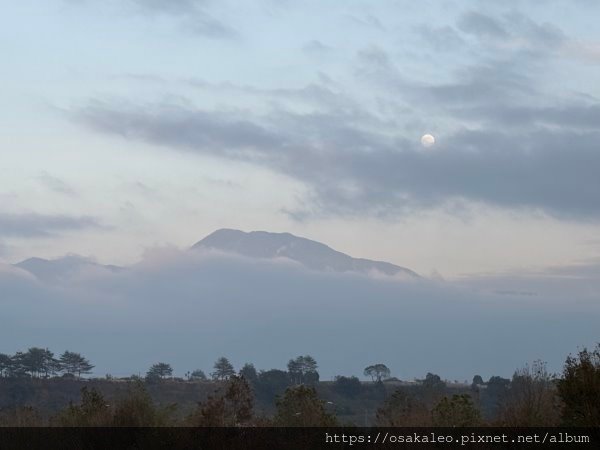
[
  {"x": 159, "y": 371},
  {"x": 303, "y": 370},
  {"x": 300, "y": 407},
  {"x": 402, "y": 409},
  {"x": 377, "y": 372},
  {"x": 37, "y": 362},
  {"x": 580, "y": 389},
  {"x": 198, "y": 375},
  {"x": 223, "y": 369},
  {"x": 74, "y": 364},
  {"x": 232, "y": 409},
  {"x": 459, "y": 411},
  {"x": 5, "y": 365},
  {"x": 531, "y": 400},
  {"x": 477, "y": 381},
  {"x": 249, "y": 373},
  {"x": 93, "y": 411},
  {"x": 347, "y": 386}
]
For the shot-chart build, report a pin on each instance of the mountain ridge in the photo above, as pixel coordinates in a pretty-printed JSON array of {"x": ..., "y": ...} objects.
[
  {"x": 55, "y": 269},
  {"x": 312, "y": 254}
]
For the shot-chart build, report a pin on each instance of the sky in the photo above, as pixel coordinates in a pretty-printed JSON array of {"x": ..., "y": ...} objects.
[{"x": 133, "y": 125}]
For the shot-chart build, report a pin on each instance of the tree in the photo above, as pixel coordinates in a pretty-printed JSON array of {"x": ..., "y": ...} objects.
[
  {"x": 497, "y": 382},
  {"x": 579, "y": 389},
  {"x": 36, "y": 362},
  {"x": 402, "y": 410},
  {"x": 249, "y": 373},
  {"x": 223, "y": 369},
  {"x": 459, "y": 411},
  {"x": 17, "y": 367},
  {"x": 136, "y": 409},
  {"x": 433, "y": 389},
  {"x": 93, "y": 411},
  {"x": 239, "y": 401},
  {"x": 433, "y": 381},
  {"x": 5, "y": 365},
  {"x": 74, "y": 364},
  {"x": 477, "y": 381},
  {"x": 198, "y": 375},
  {"x": 303, "y": 370},
  {"x": 531, "y": 400},
  {"x": 233, "y": 408},
  {"x": 271, "y": 383},
  {"x": 159, "y": 371},
  {"x": 377, "y": 372},
  {"x": 347, "y": 386},
  {"x": 300, "y": 407},
  {"x": 492, "y": 397}
]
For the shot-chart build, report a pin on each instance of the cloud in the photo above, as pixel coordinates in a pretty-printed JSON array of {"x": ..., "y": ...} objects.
[
  {"x": 55, "y": 184},
  {"x": 441, "y": 39},
  {"x": 352, "y": 168},
  {"x": 368, "y": 21},
  {"x": 170, "y": 7},
  {"x": 43, "y": 225},
  {"x": 513, "y": 31},
  {"x": 207, "y": 26},
  {"x": 193, "y": 16},
  {"x": 577, "y": 283},
  {"x": 316, "y": 47},
  {"x": 4, "y": 249},
  {"x": 506, "y": 138},
  {"x": 482, "y": 26},
  {"x": 346, "y": 321}
]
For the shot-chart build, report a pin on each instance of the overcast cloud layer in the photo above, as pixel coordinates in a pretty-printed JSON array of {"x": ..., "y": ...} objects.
[{"x": 507, "y": 135}]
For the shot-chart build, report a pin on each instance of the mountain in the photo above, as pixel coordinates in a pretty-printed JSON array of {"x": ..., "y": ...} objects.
[
  {"x": 56, "y": 269},
  {"x": 311, "y": 254}
]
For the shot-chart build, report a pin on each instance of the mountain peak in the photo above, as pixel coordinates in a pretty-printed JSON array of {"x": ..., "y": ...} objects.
[{"x": 312, "y": 254}]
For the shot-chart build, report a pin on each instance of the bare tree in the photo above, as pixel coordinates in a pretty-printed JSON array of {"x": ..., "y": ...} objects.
[{"x": 531, "y": 399}]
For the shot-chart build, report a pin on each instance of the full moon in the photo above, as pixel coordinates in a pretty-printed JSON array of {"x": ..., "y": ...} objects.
[{"x": 427, "y": 140}]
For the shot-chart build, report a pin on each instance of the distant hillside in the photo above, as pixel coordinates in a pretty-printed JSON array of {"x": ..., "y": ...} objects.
[
  {"x": 56, "y": 269},
  {"x": 312, "y": 254}
]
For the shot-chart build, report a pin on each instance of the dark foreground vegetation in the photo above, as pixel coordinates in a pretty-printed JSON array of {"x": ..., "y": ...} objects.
[{"x": 37, "y": 389}]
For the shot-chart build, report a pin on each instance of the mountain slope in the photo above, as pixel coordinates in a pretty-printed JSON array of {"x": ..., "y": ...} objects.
[
  {"x": 312, "y": 254},
  {"x": 56, "y": 269}
]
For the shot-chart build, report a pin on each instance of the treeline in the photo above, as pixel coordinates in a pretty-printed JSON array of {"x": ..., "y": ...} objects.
[
  {"x": 532, "y": 397},
  {"x": 302, "y": 369},
  {"x": 40, "y": 363}
]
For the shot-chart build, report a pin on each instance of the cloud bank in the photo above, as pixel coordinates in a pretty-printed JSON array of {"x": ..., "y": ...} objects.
[{"x": 188, "y": 308}]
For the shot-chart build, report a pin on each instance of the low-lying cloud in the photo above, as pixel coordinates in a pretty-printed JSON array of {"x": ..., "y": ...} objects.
[{"x": 188, "y": 308}]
